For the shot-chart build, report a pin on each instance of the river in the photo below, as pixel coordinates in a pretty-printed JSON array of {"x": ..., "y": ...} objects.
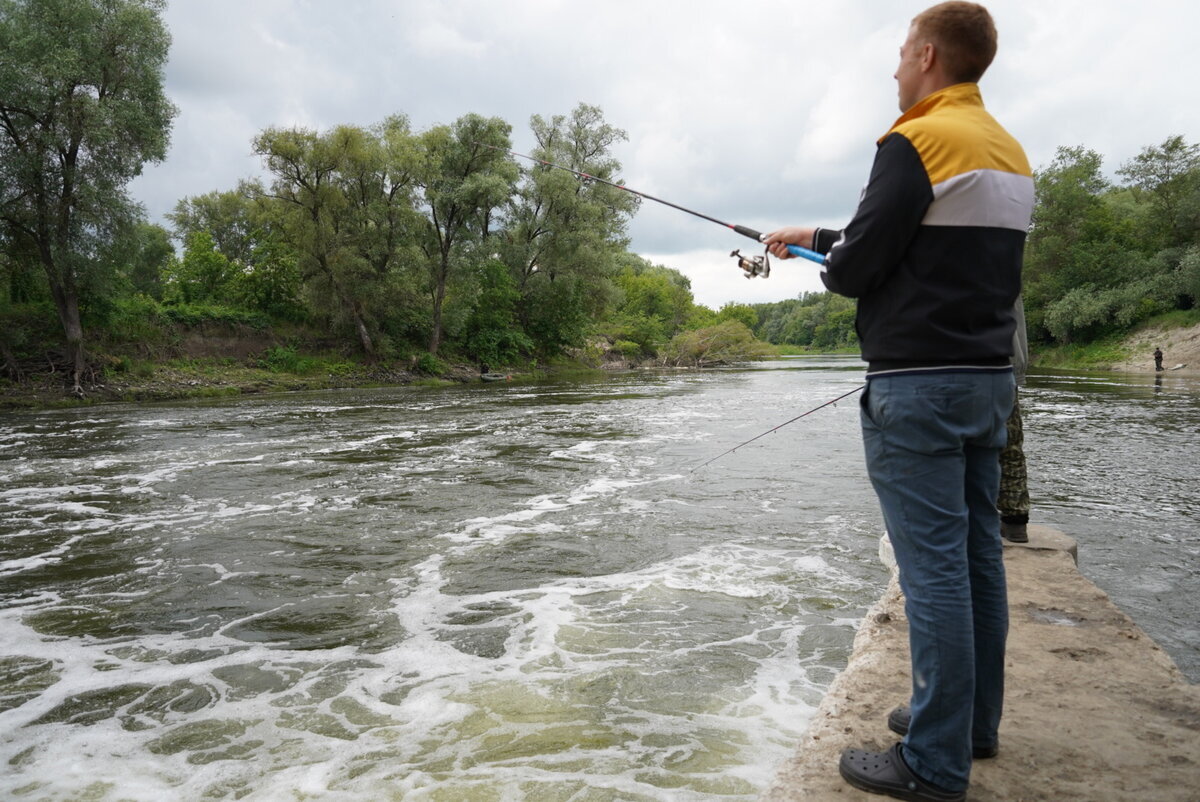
[{"x": 503, "y": 591}]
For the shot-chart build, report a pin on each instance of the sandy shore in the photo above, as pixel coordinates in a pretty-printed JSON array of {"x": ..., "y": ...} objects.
[
  {"x": 1095, "y": 710},
  {"x": 1179, "y": 347}
]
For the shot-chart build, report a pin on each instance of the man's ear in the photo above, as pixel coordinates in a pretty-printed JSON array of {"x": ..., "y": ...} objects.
[{"x": 928, "y": 56}]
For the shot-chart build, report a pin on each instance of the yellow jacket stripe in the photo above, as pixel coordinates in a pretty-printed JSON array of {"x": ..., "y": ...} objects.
[{"x": 933, "y": 253}]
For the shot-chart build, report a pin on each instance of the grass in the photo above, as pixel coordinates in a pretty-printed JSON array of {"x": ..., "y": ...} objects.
[
  {"x": 1087, "y": 356},
  {"x": 1177, "y": 319}
]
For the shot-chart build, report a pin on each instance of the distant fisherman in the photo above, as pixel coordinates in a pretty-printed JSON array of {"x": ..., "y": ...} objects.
[{"x": 933, "y": 255}]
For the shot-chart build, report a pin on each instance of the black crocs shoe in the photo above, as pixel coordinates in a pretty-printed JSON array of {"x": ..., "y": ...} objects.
[
  {"x": 898, "y": 721},
  {"x": 887, "y": 773}
]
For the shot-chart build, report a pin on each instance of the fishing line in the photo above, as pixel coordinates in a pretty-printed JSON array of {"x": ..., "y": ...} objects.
[
  {"x": 777, "y": 428},
  {"x": 751, "y": 265}
]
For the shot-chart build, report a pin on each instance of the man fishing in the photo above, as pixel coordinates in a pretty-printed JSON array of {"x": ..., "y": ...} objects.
[{"x": 933, "y": 255}]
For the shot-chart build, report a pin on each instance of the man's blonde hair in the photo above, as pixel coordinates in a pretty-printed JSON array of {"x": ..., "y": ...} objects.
[{"x": 963, "y": 36}]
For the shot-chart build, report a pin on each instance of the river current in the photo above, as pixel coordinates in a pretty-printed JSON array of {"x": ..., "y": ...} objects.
[{"x": 503, "y": 591}]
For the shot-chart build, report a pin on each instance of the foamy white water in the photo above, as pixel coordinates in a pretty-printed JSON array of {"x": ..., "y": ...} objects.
[{"x": 514, "y": 592}]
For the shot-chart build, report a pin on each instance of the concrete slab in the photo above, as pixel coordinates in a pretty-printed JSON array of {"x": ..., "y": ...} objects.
[{"x": 1095, "y": 710}]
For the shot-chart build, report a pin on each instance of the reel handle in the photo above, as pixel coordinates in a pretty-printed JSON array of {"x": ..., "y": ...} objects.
[
  {"x": 794, "y": 250},
  {"x": 805, "y": 253}
]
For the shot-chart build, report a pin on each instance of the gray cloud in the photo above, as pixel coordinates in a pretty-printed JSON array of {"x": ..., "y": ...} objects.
[{"x": 764, "y": 113}]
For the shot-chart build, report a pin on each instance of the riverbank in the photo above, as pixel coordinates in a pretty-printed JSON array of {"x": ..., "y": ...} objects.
[
  {"x": 1175, "y": 334},
  {"x": 224, "y": 361},
  {"x": 217, "y": 377},
  {"x": 226, "y": 376},
  {"x": 1095, "y": 710},
  {"x": 207, "y": 378},
  {"x": 1180, "y": 346}
]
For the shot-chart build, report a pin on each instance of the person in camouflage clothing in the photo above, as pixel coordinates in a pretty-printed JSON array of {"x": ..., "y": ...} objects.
[{"x": 1014, "y": 482}]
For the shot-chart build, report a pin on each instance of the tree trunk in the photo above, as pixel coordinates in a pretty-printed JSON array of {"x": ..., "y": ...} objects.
[
  {"x": 364, "y": 335},
  {"x": 435, "y": 339},
  {"x": 10, "y": 362},
  {"x": 66, "y": 301},
  {"x": 360, "y": 325},
  {"x": 439, "y": 298}
]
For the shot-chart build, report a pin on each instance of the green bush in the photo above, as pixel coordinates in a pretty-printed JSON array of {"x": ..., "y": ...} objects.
[
  {"x": 627, "y": 348},
  {"x": 285, "y": 359},
  {"x": 198, "y": 314},
  {"x": 430, "y": 365},
  {"x": 724, "y": 343},
  {"x": 27, "y": 327}
]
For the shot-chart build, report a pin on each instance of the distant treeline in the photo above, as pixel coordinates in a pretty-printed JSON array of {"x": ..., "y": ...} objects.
[
  {"x": 392, "y": 243},
  {"x": 1103, "y": 256},
  {"x": 438, "y": 245}
]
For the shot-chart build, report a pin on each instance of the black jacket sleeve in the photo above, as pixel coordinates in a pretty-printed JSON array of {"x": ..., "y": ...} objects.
[{"x": 891, "y": 209}]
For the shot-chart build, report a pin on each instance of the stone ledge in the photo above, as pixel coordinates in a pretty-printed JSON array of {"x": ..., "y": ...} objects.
[{"x": 1095, "y": 710}]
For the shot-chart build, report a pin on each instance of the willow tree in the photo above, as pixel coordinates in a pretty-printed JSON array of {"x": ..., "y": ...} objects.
[
  {"x": 250, "y": 231},
  {"x": 228, "y": 217},
  {"x": 565, "y": 238},
  {"x": 347, "y": 201},
  {"x": 464, "y": 177},
  {"x": 82, "y": 109}
]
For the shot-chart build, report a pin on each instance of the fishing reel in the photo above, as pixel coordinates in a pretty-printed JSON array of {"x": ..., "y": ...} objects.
[{"x": 753, "y": 266}]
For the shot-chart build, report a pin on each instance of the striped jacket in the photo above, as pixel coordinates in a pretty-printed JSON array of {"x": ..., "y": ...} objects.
[{"x": 933, "y": 252}]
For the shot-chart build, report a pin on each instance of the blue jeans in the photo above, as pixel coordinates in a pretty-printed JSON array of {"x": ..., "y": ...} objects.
[{"x": 932, "y": 445}]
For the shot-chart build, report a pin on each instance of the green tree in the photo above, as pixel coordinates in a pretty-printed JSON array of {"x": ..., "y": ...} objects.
[
  {"x": 815, "y": 320},
  {"x": 149, "y": 260},
  {"x": 1073, "y": 245},
  {"x": 462, "y": 179},
  {"x": 744, "y": 313},
  {"x": 341, "y": 202},
  {"x": 82, "y": 109},
  {"x": 837, "y": 328},
  {"x": 250, "y": 231},
  {"x": 653, "y": 304},
  {"x": 1170, "y": 174},
  {"x": 26, "y": 314},
  {"x": 800, "y": 326},
  {"x": 1100, "y": 258},
  {"x": 700, "y": 317},
  {"x": 1188, "y": 275},
  {"x": 383, "y": 227},
  {"x": 268, "y": 269},
  {"x": 203, "y": 274},
  {"x": 1067, "y": 215},
  {"x": 24, "y": 281},
  {"x": 564, "y": 238},
  {"x": 492, "y": 332},
  {"x": 227, "y": 217}
]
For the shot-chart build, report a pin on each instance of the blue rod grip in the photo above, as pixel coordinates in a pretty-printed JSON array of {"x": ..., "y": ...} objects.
[{"x": 812, "y": 256}]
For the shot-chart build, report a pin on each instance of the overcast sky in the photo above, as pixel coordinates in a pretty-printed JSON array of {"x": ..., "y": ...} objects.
[{"x": 761, "y": 112}]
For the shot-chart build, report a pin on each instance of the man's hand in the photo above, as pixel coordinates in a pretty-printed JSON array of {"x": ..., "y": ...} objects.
[{"x": 777, "y": 241}]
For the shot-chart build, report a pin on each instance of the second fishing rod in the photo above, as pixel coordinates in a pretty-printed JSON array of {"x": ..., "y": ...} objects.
[{"x": 752, "y": 265}]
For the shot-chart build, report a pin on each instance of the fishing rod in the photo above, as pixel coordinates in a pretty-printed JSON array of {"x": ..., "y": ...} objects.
[
  {"x": 751, "y": 265},
  {"x": 777, "y": 428}
]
